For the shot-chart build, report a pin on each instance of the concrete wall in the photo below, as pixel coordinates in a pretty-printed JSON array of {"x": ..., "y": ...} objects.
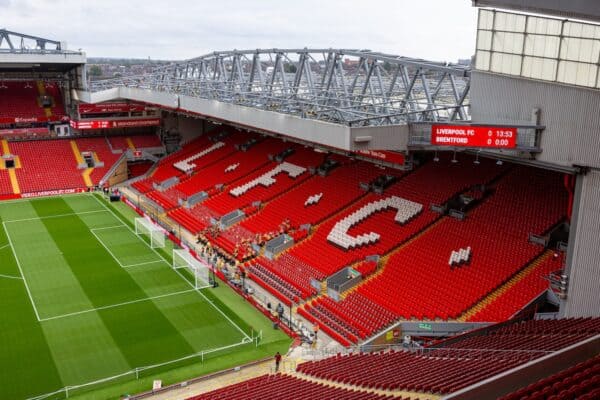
[
  {"x": 583, "y": 297},
  {"x": 120, "y": 174}
]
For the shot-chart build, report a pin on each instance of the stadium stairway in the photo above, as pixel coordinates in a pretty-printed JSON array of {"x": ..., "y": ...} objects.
[
  {"x": 42, "y": 91},
  {"x": 12, "y": 175},
  {"x": 87, "y": 172}
]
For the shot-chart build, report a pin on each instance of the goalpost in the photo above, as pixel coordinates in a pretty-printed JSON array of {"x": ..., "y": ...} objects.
[
  {"x": 144, "y": 226},
  {"x": 200, "y": 271}
]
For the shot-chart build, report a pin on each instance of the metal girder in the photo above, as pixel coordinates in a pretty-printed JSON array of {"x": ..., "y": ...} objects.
[
  {"x": 344, "y": 86},
  {"x": 14, "y": 42}
]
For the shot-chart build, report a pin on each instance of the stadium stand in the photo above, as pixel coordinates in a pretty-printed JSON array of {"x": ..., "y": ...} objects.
[
  {"x": 541, "y": 204},
  {"x": 447, "y": 178},
  {"x": 222, "y": 172},
  {"x": 102, "y": 153},
  {"x": 279, "y": 386},
  {"x": 20, "y": 100},
  {"x": 526, "y": 286},
  {"x": 53, "y": 164},
  {"x": 581, "y": 382},
  {"x": 5, "y": 186},
  {"x": 336, "y": 190},
  {"x": 46, "y": 165},
  {"x": 166, "y": 168},
  {"x": 318, "y": 257},
  {"x": 259, "y": 187},
  {"x": 464, "y": 361}
]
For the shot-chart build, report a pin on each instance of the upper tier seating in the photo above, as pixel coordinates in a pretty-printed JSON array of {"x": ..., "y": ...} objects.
[
  {"x": 259, "y": 187},
  {"x": 20, "y": 100},
  {"x": 454, "y": 366},
  {"x": 526, "y": 289},
  {"x": 581, "y": 382},
  {"x": 337, "y": 190},
  {"x": 222, "y": 172},
  {"x": 324, "y": 257},
  {"x": 58, "y": 109},
  {"x": 166, "y": 168},
  {"x": 499, "y": 244},
  {"x": 285, "y": 387},
  {"x": 431, "y": 183}
]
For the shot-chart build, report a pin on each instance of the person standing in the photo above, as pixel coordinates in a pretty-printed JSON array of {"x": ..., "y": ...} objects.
[
  {"x": 315, "y": 333},
  {"x": 277, "y": 361}
]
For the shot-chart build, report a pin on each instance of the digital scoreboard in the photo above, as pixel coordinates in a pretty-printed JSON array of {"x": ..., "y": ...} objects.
[{"x": 474, "y": 136}]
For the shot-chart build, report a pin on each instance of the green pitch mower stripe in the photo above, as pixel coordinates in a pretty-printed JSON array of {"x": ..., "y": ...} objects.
[
  {"x": 104, "y": 281},
  {"x": 21, "y": 339}
]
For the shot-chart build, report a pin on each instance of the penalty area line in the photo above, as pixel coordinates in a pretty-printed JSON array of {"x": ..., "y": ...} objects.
[
  {"x": 144, "y": 263},
  {"x": 55, "y": 216},
  {"x": 244, "y": 334},
  {"x": 116, "y": 305},
  {"x": 11, "y": 277}
]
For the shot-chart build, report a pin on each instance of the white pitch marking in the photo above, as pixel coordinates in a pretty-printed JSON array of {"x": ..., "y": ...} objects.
[
  {"x": 116, "y": 305},
  {"x": 108, "y": 227},
  {"x": 106, "y": 247},
  {"x": 55, "y": 216},
  {"x": 11, "y": 277},
  {"x": 37, "y": 315},
  {"x": 144, "y": 263},
  {"x": 5, "y": 246},
  {"x": 176, "y": 271}
]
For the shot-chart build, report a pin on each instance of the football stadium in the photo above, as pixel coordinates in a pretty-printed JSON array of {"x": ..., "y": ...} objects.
[{"x": 306, "y": 223}]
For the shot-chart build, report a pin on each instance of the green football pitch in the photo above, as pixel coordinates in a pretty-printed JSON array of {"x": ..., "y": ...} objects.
[{"x": 84, "y": 299}]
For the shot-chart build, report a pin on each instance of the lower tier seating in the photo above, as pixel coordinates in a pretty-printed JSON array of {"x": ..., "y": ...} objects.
[
  {"x": 167, "y": 200},
  {"x": 5, "y": 186},
  {"x": 46, "y": 165},
  {"x": 285, "y": 387},
  {"x": 581, "y": 382},
  {"x": 360, "y": 313},
  {"x": 462, "y": 362}
]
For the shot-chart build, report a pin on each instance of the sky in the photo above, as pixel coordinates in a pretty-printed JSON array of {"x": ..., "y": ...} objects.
[{"x": 438, "y": 30}]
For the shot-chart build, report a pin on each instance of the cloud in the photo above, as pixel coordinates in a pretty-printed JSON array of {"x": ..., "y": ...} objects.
[{"x": 432, "y": 29}]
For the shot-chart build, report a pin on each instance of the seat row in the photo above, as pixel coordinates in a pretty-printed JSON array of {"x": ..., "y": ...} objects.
[
  {"x": 285, "y": 387},
  {"x": 460, "y": 362}
]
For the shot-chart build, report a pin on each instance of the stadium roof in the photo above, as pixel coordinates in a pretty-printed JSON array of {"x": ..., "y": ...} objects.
[
  {"x": 350, "y": 87},
  {"x": 20, "y": 52}
]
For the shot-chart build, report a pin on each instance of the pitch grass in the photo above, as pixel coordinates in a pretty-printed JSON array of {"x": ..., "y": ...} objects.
[{"x": 85, "y": 299}]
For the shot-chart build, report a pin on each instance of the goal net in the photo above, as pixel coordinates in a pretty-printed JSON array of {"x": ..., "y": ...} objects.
[
  {"x": 200, "y": 271},
  {"x": 156, "y": 235}
]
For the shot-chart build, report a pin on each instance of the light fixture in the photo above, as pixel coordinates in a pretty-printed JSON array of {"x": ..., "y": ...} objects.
[
  {"x": 454, "y": 160},
  {"x": 435, "y": 157},
  {"x": 499, "y": 162},
  {"x": 477, "y": 162}
]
